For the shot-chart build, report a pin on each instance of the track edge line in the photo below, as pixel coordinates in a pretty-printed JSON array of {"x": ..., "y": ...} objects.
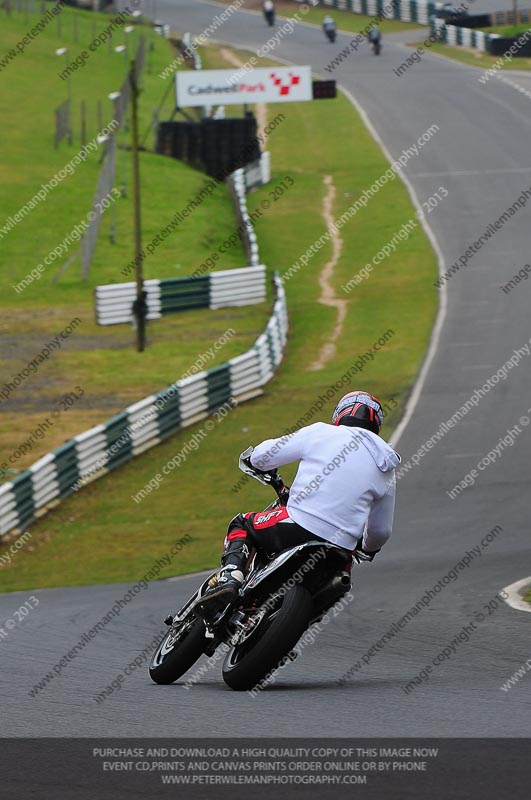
[{"x": 443, "y": 294}]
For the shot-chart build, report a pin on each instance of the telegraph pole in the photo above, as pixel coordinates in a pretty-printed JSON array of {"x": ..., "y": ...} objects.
[{"x": 140, "y": 305}]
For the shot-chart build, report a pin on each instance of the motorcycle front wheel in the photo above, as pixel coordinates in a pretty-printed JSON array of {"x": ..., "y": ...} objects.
[
  {"x": 276, "y": 635},
  {"x": 178, "y": 651}
]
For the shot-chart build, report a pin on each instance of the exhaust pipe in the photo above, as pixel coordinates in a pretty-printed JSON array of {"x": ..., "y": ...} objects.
[{"x": 338, "y": 586}]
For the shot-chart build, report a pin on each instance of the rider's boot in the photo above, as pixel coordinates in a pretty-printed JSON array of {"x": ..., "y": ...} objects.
[{"x": 224, "y": 587}]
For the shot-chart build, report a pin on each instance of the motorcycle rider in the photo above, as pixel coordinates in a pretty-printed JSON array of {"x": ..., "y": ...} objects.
[
  {"x": 269, "y": 11},
  {"x": 343, "y": 492},
  {"x": 329, "y": 25},
  {"x": 374, "y": 35}
]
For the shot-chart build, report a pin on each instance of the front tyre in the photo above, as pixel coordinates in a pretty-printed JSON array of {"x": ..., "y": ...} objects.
[
  {"x": 277, "y": 634},
  {"x": 177, "y": 652}
]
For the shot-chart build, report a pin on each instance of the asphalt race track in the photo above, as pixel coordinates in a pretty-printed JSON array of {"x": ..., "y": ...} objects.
[{"x": 481, "y": 154}]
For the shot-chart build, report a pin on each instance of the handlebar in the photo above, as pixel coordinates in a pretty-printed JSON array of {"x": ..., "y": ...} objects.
[{"x": 267, "y": 477}]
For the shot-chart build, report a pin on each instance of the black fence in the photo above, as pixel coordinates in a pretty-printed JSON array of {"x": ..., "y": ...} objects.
[
  {"x": 216, "y": 146},
  {"x": 497, "y": 47},
  {"x": 471, "y": 20}
]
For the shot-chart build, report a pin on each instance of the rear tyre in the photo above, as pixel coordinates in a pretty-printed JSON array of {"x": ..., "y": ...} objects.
[
  {"x": 169, "y": 661},
  {"x": 278, "y": 633}
]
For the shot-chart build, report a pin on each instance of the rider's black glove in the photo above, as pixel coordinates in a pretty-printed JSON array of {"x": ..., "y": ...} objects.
[
  {"x": 247, "y": 461},
  {"x": 363, "y": 555},
  {"x": 272, "y": 472}
]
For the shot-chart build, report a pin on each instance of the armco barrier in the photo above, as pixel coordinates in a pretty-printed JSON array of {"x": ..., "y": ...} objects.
[
  {"x": 257, "y": 173},
  {"x": 491, "y": 43},
  {"x": 455, "y": 35},
  {"x": 465, "y": 35},
  {"x": 237, "y": 187},
  {"x": 230, "y": 287},
  {"x": 143, "y": 425},
  {"x": 417, "y": 11},
  {"x": 191, "y": 52}
]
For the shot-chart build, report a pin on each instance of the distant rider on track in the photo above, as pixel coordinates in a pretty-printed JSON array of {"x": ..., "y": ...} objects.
[
  {"x": 329, "y": 27},
  {"x": 375, "y": 38},
  {"x": 269, "y": 12}
]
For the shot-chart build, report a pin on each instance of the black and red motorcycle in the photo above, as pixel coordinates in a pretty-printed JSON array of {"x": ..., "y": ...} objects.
[{"x": 282, "y": 595}]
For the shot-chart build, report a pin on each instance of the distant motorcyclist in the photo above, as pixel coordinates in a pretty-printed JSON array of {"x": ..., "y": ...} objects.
[
  {"x": 343, "y": 492},
  {"x": 375, "y": 38},
  {"x": 269, "y": 11},
  {"x": 329, "y": 27}
]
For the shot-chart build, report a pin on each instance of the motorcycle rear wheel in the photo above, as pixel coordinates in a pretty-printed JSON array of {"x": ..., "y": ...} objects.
[
  {"x": 249, "y": 663},
  {"x": 166, "y": 667}
]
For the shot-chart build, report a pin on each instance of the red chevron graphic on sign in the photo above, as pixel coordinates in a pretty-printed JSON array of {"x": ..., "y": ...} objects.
[{"x": 284, "y": 88}]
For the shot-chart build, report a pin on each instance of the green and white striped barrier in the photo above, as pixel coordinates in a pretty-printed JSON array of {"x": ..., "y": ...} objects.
[
  {"x": 231, "y": 287},
  {"x": 418, "y": 11},
  {"x": 467, "y": 37}
]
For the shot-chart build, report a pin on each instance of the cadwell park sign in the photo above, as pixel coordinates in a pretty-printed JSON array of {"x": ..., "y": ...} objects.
[{"x": 225, "y": 86}]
